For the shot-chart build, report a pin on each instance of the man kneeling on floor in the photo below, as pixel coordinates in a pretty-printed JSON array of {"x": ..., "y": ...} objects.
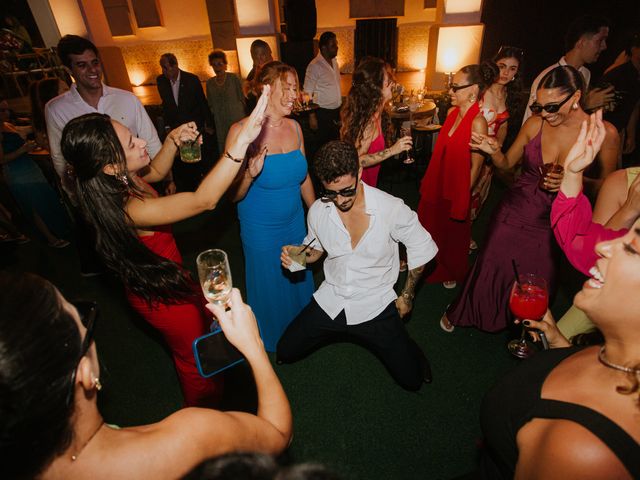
[{"x": 360, "y": 227}]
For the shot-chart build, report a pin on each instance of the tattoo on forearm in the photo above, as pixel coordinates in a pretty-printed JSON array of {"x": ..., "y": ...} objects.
[
  {"x": 412, "y": 280},
  {"x": 374, "y": 158}
]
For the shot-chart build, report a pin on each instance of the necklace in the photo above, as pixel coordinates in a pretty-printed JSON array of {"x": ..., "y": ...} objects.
[
  {"x": 275, "y": 125},
  {"x": 622, "y": 368},
  {"x": 74, "y": 457}
]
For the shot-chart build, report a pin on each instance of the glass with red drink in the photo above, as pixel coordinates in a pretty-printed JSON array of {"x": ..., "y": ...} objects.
[{"x": 529, "y": 300}]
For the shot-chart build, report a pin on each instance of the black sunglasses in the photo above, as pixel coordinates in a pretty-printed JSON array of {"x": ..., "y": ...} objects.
[
  {"x": 88, "y": 312},
  {"x": 549, "y": 107},
  {"x": 455, "y": 88},
  {"x": 329, "y": 195}
]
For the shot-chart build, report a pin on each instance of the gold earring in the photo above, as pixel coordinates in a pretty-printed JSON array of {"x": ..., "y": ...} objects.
[
  {"x": 97, "y": 385},
  {"x": 575, "y": 106}
]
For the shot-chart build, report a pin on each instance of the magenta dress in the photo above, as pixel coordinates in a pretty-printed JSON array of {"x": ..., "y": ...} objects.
[
  {"x": 520, "y": 229},
  {"x": 370, "y": 174}
]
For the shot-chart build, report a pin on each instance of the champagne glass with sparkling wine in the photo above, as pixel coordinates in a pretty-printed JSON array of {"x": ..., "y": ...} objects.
[
  {"x": 215, "y": 276},
  {"x": 529, "y": 299}
]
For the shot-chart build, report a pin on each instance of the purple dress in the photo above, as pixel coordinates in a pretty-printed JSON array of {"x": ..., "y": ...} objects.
[{"x": 520, "y": 229}]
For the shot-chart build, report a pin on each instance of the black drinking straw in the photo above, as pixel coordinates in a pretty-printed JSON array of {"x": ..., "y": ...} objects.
[
  {"x": 515, "y": 271},
  {"x": 307, "y": 245}
]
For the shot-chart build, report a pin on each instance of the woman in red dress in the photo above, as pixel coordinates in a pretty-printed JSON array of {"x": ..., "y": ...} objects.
[
  {"x": 133, "y": 226},
  {"x": 444, "y": 208}
]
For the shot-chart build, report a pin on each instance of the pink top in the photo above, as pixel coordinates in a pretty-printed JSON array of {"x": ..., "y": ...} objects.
[
  {"x": 370, "y": 174},
  {"x": 576, "y": 234}
]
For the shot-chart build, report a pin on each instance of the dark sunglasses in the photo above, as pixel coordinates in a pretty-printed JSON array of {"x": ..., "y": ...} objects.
[
  {"x": 536, "y": 108},
  {"x": 330, "y": 195},
  {"x": 455, "y": 88},
  {"x": 88, "y": 312}
]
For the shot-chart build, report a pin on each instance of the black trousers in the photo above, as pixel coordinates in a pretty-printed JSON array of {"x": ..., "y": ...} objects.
[
  {"x": 385, "y": 336},
  {"x": 328, "y": 124}
]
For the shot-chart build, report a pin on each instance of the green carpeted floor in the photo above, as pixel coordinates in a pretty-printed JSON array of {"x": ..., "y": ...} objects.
[{"x": 348, "y": 413}]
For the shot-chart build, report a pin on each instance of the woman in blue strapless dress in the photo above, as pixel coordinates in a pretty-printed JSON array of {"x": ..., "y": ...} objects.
[
  {"x": 520, "y": 229},
  {"x": 269, "y": 191}
]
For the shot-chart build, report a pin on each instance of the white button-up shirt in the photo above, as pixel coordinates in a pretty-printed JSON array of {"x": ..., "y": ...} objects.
[
  {"x": 175, "y": 87},
  {"x": 360, "y": 280},
  {"x": 119, "y": 104},
  {"x": 586, "y": 74},
  {"x": 324, "y": 79}
]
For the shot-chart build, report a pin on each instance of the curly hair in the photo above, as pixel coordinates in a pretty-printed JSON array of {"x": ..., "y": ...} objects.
[
  {"x": 364, "y": 101},
  {"x": 335, "y": 159},
  {"x": 217, "y": 54},
  {"x": 89, "y": 143}
]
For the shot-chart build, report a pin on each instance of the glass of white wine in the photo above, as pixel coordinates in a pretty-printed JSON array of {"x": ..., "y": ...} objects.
[{"x": 215, "y": 276}]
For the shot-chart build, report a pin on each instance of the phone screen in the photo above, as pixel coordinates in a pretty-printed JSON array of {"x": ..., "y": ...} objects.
[{"x": 214, "y": 353}]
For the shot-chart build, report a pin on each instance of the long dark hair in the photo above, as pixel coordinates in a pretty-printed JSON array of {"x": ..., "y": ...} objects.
[
  {"x": 364, "y": 100},
  {"x": 515, "y": 100},
  {"x": 39, "y": 348},
  {"x": 89, "y": 143},
  {"x": 567, "y": 79}
]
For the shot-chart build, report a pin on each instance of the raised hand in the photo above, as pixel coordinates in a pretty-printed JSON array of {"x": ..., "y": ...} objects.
[
  {"x": 255, "y": 163},
  {"x": 587, "y": 144},
  {"x": 484, "y": 143},
  {"x": 184, "y": 133},
  {"x": 252, "y": 127}
]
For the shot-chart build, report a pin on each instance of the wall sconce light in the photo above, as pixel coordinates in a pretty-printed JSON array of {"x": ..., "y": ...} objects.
[{"x": 457, "y": 46}]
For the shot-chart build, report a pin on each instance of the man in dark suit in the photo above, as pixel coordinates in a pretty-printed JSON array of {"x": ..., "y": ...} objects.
[{"x": 183, "y": 101}]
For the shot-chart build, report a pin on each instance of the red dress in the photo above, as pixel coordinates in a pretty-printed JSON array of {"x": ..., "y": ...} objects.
[
  {"x": 180, "y": 324},
  {"x": 370, "y": 174},
  {"x": 445, "y": 196}
]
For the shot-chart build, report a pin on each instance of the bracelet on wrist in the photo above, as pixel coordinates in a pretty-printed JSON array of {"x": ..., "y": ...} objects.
[{"x": 237, "y": 160}]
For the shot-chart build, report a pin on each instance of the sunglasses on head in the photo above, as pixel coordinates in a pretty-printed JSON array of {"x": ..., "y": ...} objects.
[
  {"x": 330, "y": 195},
  {"x": 517, "y": 51},
  {"x": 549, "y": 107},
  {"x": 88, "y": 312},
  {"x": 455, "y": 87}
]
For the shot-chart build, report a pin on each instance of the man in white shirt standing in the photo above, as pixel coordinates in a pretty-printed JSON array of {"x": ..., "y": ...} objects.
[
  {"x": 585, "y": 39},
  {"x": 89, "y": 95},
  {"x": 359, "y": 227},
  {"x": 323, "y": 79}
]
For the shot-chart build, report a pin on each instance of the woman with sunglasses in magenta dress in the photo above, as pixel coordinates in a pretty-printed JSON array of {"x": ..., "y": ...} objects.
[{"x": 520, "y": 229}]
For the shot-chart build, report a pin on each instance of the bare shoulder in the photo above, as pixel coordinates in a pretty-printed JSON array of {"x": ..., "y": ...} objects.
[
  {"x": 479, "y": 123},
  {"x": 611, "y": 133},
  {"x": 566, "y": 449}
]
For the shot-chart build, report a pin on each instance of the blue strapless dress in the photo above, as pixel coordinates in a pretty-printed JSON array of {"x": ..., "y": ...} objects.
[{"x": 271, "y": 215}]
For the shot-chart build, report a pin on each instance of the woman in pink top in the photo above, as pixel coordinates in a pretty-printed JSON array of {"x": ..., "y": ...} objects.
[{"x": 364, "y": 120}]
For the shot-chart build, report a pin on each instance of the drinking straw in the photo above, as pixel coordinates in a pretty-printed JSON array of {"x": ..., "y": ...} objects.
[
  {"x": 515, "y": 271},
  {"x": 307, "y": 245}
]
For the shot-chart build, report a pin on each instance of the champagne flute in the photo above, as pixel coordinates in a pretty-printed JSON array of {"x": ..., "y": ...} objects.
[
  {"x": 404, "y": 131},
  {"x": 215, "y": 276},
  {"x": 529, "y": 299}
]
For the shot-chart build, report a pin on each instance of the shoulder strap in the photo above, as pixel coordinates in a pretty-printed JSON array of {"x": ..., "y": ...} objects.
[{"x": 612, "y": 435}]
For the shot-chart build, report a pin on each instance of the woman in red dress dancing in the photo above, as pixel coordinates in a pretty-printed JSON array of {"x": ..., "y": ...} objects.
[
  {"x": 444, "y": 208},
  {"x": 133, "y": 226}
]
